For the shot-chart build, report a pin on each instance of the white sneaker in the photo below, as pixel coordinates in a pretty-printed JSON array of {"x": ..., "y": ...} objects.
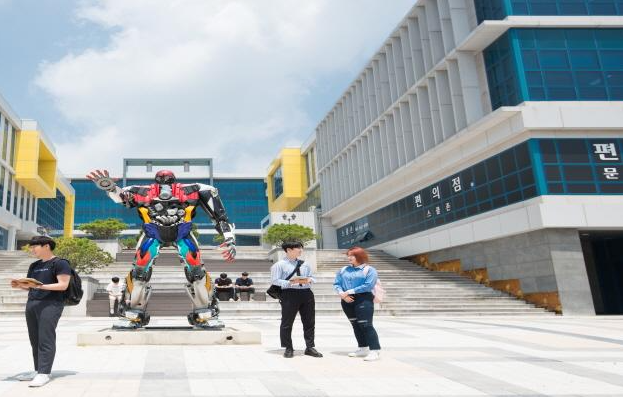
[
  {"x": 231, "y": 299},
  {"x": 373, "y": 355},
  {"x": 39, "y": 380},
  {"x": 27, "y": 376},
  {"x": 361, "y": 352}
]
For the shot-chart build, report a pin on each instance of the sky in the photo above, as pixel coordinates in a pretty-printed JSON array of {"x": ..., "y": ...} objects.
[{"x": 233, "y": 80}]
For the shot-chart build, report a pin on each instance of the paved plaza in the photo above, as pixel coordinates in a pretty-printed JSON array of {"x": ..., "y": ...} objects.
[{"x": 459, "y": 356}]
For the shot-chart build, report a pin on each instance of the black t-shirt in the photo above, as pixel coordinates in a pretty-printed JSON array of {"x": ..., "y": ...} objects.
[
  {"x": 221, "y": 282},
  {"x": 46, "y": 272},
  {"x": 242, "y": 282}
]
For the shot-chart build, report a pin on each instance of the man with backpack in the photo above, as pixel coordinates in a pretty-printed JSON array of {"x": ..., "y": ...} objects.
[
  {"x": 49, "y": 279},
  {"x": 294, "y": 277}
]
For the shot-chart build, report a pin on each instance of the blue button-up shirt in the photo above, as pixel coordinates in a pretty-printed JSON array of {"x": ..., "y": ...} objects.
[
  {"x": 282, "y": 269},
  {"x": 352, "y": 280}
]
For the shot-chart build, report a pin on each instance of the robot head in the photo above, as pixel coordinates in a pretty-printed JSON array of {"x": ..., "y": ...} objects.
[{"x": 165, "y": 177}]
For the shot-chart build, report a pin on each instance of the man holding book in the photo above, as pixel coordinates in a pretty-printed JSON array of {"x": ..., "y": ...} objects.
[
  {"x": 46, "y": 281},
  {"x": 295, "y": 279}
]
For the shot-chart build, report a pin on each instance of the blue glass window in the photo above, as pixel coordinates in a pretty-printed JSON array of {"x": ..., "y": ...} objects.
[
  {"x": 4, "y": 238},
  {"x": 556, "y": 65},
  {"x": 277, "y": 183},
  {"x": 501, "y": 180},
  {"x": 502, "y": 73},
  {"x": 51, "y": 213},
  {"x": 1, "y": 184},
  {"x": 581, "y": 166},
  {"x": 500, "y": 9}
]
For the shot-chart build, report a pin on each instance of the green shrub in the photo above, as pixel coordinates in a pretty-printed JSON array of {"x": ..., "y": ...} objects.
[
  {"x": 104, "y": 229},
  {"x": 129, "y": 242},
  {"x": 278, "y": 233}
]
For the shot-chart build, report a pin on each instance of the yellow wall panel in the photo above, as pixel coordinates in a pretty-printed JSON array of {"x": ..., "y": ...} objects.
[
  {"x": 294, "y": 173},
  {"x": 35, "y": 164}
]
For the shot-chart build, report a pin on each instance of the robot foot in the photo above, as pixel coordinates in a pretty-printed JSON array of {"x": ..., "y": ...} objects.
[
  {"x": 134, "y": 319},
  {"x": 205, "y": 319}
]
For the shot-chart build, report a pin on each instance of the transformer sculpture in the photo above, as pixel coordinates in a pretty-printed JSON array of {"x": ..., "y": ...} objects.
[{"x": 167, "y": 209}]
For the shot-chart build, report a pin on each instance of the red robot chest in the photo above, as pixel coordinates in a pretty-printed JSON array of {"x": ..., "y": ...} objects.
[{"x": 153, "y": 192}]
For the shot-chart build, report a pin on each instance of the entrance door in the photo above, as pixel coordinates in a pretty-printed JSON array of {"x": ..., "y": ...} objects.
[{"x": 603, "y": 255}]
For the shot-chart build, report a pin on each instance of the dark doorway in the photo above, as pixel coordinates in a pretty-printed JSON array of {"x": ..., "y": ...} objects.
[{"x": 603, "y": 255}]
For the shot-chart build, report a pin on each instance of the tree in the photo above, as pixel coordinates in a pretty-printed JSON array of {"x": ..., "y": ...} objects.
[
  {"x": 129, "y": 242},
  {"x": 83, "y": 254},
  {"x": 194, "y": 229},
  {"x": 104, "y": 229},
  {"x": 278, "y": 233},
  {"x": 218, "y": 239}
]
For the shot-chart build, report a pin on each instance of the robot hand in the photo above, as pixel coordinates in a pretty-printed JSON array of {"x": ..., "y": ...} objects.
[
  {"x": 229, "y": 250},
  {"x": 102, "y": 180}
]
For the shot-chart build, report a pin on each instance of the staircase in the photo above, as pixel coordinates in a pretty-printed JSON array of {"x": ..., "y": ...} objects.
[
  {"x": 411, "y": 290},
  {"x": 13, "y": 264}
]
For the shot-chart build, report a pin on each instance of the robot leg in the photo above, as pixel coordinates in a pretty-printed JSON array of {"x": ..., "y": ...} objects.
[
  {"x": 137, "y": 284},
  {"x": 199, "y": 286}
]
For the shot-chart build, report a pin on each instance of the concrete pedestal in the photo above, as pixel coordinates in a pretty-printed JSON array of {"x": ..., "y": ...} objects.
[{"x": 171, "y": 336}]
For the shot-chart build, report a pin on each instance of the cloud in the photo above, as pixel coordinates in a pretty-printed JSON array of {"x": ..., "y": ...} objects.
[{"x": 195, "y": 78}]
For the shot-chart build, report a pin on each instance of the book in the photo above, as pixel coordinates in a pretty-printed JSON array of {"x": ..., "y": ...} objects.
[
  {"x": 299, "y": 278},
  {"x": 28, "y": 280}
]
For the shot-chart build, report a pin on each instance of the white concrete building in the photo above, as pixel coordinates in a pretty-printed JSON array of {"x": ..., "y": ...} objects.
[
  {"x": 489, "y": 132},
  {"x": 33, "y": 193}
]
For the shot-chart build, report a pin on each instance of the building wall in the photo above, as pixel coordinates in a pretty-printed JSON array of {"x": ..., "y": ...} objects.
[
  {"x": 544, "y": 261},
  {"x": 463, "y": 134},
  {"x": 287, "y": 180},
  {"x": 18, "y": 197}
]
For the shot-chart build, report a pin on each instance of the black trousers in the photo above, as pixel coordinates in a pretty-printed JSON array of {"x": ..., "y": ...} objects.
[
  {"x": 231, "y": 292},
  {"x": 297, "y": 301},
  {"x": 250, "y": 290},
  {"x": 41, "y": 318}
]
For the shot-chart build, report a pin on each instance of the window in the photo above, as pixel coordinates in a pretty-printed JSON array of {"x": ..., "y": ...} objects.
[
  {"x": 500, "y": 9},
  {"x": 1, "y": 185},
  {"x": 11, "y": 159},
  {"x": 277, "y": 183},
  {"x": 51, "y": 213},
  {"x": 556, "y": 65},
  {"x": 9, "y": 189},
  {"x": 498, "y": 181},
  {"x": 5, "y": 137}
]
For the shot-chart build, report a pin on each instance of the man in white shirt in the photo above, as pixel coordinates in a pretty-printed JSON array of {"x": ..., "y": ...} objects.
[{"x": 115, "y": 292}]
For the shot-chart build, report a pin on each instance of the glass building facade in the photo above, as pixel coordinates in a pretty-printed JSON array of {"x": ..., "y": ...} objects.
[
  {"x": 500, "y": 9},
  {"x": 533, "y": 168},
  {"x": 555, "y": 65},
  {"x": 278, "y": 183},
  {"x": 244, "y": 199},
  {"x": 51, "y": 214},
  {"x": 4, "y": 238}
]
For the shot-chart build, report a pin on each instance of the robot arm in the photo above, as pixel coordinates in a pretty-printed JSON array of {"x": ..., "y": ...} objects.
[
  {"x": 212, "y": 204},
  {"x": 103, "y": 181}
]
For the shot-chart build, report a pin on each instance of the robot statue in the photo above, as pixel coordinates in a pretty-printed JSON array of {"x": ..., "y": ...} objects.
[{"x": 167, "y": 209}]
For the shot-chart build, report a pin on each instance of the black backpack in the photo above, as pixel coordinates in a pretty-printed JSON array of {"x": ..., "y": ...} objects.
[{"x": 73, "y": 293}]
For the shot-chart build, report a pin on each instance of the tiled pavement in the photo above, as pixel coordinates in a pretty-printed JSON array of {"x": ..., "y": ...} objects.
[{"x": 466, "y": 356}]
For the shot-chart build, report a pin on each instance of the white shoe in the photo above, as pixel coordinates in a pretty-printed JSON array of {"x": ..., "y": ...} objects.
[
  {"x": 361, "y": 352},
  {"x": 27, "y": 376},
  {"x": 231, "y": 299},
  {"x": 374, "y": 355},
  {"x": 39, "y": 380}
]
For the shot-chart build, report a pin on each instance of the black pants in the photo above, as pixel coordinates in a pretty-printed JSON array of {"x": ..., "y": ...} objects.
[
  {"x": 231, "y": 292},
  {"x": 41, "y": 318},
  {"x": 360, "y": 313},
  {"x": 297, "y": 301}
]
